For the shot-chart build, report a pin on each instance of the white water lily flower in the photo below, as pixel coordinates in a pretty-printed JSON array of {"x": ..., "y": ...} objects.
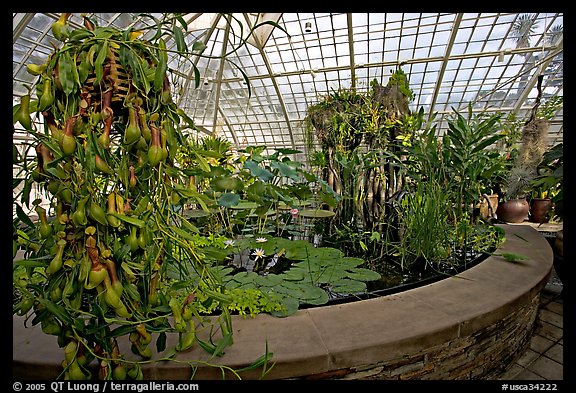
[
  {"x": 258, "y": 253},
  {"x": 228, "y": 243},
  {"x": 261, "y": 240}
]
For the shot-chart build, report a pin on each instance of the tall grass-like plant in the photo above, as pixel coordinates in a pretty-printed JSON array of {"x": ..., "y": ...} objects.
[{"x": 425, "y": 228}]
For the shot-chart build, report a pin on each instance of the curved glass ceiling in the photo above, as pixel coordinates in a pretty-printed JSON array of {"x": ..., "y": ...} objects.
[{"x": 491, "y": 60}]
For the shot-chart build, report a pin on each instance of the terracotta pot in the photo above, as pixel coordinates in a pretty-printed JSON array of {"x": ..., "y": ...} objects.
[
  {"x": 513, "y": 210},
  {"x": 488, "y": 206},
  {"x": 540, "y": 209}
]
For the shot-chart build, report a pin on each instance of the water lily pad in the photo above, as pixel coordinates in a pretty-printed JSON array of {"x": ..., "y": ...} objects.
[
  {"x": 262, "y": 213},
  {"x": 229, "y": 200},
  {"x": 249, "y": 285},
  {"x": 325, "y": 256},
  {"x": 231, "y": 283},
  {"x": 314, "y": 295},
  {"x": 328, "y": 276},
  {"x": 293, "y": 275},
  {"x": 308, "y": 293},
  {"x": 245, "y": 277},
  {"x": 316, "y": 213},
  {"x": 299, "y": 250},
  {"x": 350, "y": 262},
  {"x": 363, "y": 274},
  {"x": 268, "y": 281},
  {"x": 289, "y": 292},
  {"x": 346, "y": 286},
  {"x": 292, "y": 305},
  {"x": 245, "y": 205}
]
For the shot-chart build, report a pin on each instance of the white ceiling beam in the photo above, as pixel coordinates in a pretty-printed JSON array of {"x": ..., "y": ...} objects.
[
  {"x": 275, "y": 84},
  {"x": 542, "y": 66},
  {"x": 445, "y": 60},
  {"x": 351, "y": 49}
]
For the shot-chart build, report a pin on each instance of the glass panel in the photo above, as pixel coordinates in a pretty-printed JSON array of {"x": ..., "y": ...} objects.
[{"x": 490, "y": 64}]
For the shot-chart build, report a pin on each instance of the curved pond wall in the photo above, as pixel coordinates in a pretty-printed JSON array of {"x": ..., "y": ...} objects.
[{"x": 467, "y": 327}]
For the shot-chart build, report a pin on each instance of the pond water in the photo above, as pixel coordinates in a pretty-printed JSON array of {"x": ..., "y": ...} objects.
[
  {"x": 395, "y": 281},
  {"x": 392, "y": 280}
]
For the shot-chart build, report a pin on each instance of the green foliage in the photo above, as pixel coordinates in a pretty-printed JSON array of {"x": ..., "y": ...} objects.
[
  {"x": 247, "y": 191},
  {"x": 424, "y": 225},
  {"x": 400, "y": 79},
  {"x": 284, "y": 274},
  {"x": 513, "y": 257},
  {"x": 252, "y": 302},
  {"x": 550, "y": 180},
  {"x": 549, "y": 108},
  {"x": 106, "y": 256},
  {"x": 465, "y": 160},
  {"x": 311, "y": 272}
]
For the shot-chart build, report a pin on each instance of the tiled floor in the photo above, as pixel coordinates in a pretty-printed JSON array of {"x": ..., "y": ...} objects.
[{"x": 543, "y": 360}]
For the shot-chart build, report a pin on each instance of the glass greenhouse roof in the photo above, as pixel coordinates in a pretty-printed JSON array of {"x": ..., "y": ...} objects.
[{"x": 491, "y": 60}]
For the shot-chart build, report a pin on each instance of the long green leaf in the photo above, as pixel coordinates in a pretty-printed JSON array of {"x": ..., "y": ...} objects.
[
  {"x": 130, "y": 220},
  {"x": 260, "y": 362},
  {"x": 221, "y": 344},
  {"x": 196, "y": 76},
  {"x": 162, "y": 65},
  {"x": 30, "y": 263},
  {"x": 98, "y": 66},
  {"x": 487, "y": 142},
  {"x": 244, "y": 76},
  {"x": 58, "y": 311},
  {"x": 23, "y": 216},
  {"x": 182, "y": 233},
  {"x": 207, "y": 346},
  {"x": 156, "y": 23},
  {"x": 179, "y": 38},
  {"x": 202, "y": 162}
]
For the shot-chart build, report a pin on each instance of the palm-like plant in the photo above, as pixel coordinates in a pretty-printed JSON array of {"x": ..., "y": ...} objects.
[{"x": 522, "y": 29}]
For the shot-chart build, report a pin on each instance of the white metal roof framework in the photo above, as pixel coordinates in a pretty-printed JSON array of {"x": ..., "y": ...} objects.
[{"x": 491, "y": 60}]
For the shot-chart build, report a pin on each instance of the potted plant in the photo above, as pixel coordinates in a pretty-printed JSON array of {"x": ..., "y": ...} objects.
[
  {"x": 547, "y": 187},
  {"x": 518, "y": 182}
]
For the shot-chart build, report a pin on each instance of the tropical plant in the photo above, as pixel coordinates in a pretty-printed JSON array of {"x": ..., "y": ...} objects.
[
  {"x": 433, "y": 222},
  {"x": 360, "y": 136},
  {"x": 523, "y": 29},
  {"x": 464, "y": 161},
  {"x": 108, "y": 255},
  {"x": 533, "y": 145},
  {"x": 248, "y": 192},
  {"x": 550, "y": 180},
  {"x": 424, "y": 225}
]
